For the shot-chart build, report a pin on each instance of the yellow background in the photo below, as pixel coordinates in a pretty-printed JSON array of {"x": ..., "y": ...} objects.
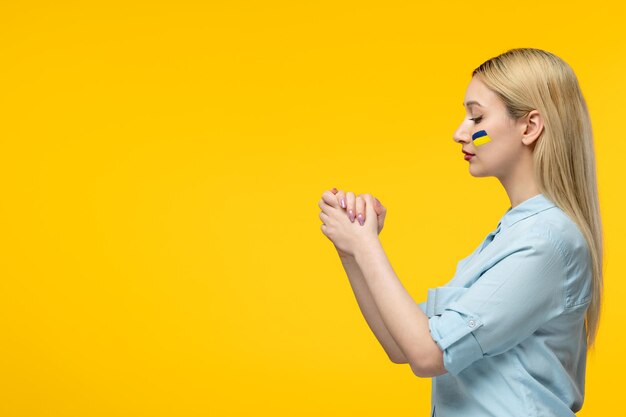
[{"x": 161, "y": 167}]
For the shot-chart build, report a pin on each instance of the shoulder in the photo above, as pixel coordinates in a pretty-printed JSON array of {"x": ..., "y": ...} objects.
[
  {"x": 552, "y": 226},
  {"x": 554, "y": 229},
  {"x": 555, "y": 225}
]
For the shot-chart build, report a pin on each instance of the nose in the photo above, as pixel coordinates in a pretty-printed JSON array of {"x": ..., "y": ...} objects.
[{"x": 462, "y": 134}]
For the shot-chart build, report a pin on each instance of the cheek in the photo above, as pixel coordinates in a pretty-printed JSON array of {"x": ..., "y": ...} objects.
[
  {"x": 489, "y": 136},
  {"x": 500, "y": 154},
  {"x": 481, "y": 138},
  {"x": 486, "y": 134}
]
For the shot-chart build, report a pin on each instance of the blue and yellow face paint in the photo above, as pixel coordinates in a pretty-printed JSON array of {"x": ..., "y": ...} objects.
[{"x": 480, "y": 138}]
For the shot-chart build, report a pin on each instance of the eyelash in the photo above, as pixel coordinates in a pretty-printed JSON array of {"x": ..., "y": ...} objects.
[{"x": 477, "y": 119}]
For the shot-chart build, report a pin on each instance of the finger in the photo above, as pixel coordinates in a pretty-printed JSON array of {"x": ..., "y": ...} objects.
[
  {"x": 369, "y": 204},
  {"x": 334, "y": 190},
  {"x": 360, "y": 209},
  {"x": 376, "y": 206},
  {"x": 350, "y": 205},
  {"x": 380, "y": 209},
  {"x": 325, "y": 207},
  {"x": 329, "y": 198},
  {"x": 341, "y": 197},
  {"x": 324, "y": 217}
]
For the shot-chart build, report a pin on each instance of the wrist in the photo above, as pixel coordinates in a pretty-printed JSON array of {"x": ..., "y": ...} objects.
[
  {"x": 344, "y": 255},
  {"x": 366, "y": 248}
]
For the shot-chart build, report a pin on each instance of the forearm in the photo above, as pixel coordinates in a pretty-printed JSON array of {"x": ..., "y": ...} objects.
[
  {"x": 370, "y": 311},
  {"x": 403, "y": 318}
]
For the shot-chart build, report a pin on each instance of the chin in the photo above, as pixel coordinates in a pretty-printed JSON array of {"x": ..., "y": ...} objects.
[
  {"x": 473, "y": 171},
  {"x": 477, "y": 172}
]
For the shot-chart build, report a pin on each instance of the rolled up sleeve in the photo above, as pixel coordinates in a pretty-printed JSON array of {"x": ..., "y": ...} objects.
[{"x": 522, "y": 290}]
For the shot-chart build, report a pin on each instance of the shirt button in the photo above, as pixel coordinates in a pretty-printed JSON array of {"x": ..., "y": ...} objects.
[{"x": 471, "y": 323}]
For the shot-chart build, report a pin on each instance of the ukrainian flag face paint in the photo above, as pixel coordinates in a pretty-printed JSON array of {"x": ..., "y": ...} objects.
[{"x": 480, "y": 138}]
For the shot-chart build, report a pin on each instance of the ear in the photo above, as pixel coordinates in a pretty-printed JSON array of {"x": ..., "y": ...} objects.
[{"x": 533, "y": 127}]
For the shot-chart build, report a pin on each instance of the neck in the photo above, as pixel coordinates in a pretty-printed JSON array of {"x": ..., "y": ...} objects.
[{"x": 520, "y": 185}]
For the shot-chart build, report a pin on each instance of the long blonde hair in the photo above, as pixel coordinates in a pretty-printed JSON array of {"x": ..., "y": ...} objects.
[{"x": 564, "y": 159}]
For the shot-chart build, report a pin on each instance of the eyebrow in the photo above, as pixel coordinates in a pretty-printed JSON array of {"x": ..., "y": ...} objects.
[{"x": 469, "y": 103}]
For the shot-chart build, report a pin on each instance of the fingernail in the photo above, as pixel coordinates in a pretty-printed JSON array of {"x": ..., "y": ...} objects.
[
  {"x": 360, "y": 216},
  {"x": 334, "y": 189},
  {"x": 351, "y": 215},
  {"x": 343, "y": 203}
]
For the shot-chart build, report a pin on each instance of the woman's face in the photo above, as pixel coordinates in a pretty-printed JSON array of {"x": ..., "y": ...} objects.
[{"x": 486, "y": 111}]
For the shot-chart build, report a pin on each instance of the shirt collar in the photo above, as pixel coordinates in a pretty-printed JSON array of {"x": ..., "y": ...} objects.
[{"x": 527, "y": 208}]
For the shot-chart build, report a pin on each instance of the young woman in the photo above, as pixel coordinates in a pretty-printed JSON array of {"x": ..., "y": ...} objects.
[{"x": 508, "y": 335}]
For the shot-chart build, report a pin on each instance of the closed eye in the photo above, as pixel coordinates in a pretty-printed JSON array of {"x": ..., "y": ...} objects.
[{"x": 477, "y": 119}]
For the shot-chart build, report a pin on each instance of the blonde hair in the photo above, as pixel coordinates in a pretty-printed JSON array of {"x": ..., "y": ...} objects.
[{"x": 564, "y": 159}]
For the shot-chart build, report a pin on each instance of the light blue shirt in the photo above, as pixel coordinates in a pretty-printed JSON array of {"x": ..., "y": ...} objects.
[{"x": 510, "y": 323}]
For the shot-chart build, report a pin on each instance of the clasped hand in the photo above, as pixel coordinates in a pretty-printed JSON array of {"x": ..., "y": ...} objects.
[{"x": 338, "y": 215}]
